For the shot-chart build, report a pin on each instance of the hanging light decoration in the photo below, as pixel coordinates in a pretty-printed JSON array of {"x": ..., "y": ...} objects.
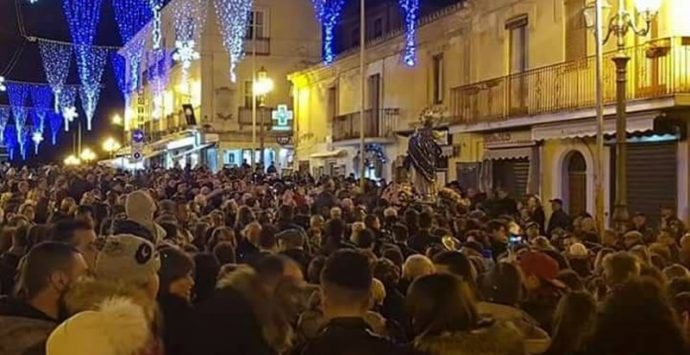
[
  {"x": 158, "y": 77},
  {"x": 327, "y": 13},
  {"x": 37, "y": 138},
  {"x": 55, "y": 123},
  {"x": 119, "y": 69},
  {"x": 24, "y": 142},
  {"x": 233, "y": 22},
  {"x": 4, "y": 118},
  {"x": 2, "y": 84},
  {"x": 10, "y": 138},
  {"x": 68, "y": 109},
  {"x": 18, "y": 94},
  {"x": 189, "y": 20},
  {"x": 410, "y": 9},
  {"x": 90, "y": 64},
  {"x": 131, "y": 16},
  {"x": 82, "y": 17},
  {"x": 56, "y": 61},
  {"x": 41, "y": 97}
]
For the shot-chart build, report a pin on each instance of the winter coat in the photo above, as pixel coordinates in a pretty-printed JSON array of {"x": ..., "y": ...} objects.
[
  {"x": 536, "y": 339},
  {"x": 177, "y": 314},
  {"x": 22, "y": 327},
  {"x": 348, "y": 336},
  {"x": 498, "y": 339}
]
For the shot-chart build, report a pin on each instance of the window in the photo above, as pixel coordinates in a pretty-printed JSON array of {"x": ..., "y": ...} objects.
[
  {"x": 248, "y": 93},
  {"x": 258, "y": 21},
  {"x": 438, "y": 78},
  {"x": 332, "y": 103},
  {"x": 575, "y": 30},
  {"x": 378, "y": 28},
  {"x": 518, "y": 44}
]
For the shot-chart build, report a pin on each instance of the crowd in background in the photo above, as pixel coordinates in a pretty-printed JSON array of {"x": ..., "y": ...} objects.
[{"x": 185, "y": 262}]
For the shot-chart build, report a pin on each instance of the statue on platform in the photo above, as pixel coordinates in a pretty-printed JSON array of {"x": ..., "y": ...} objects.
[{"x": 423, "y": 154}]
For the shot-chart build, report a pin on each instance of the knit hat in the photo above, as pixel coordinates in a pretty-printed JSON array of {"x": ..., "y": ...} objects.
[
  {"x": 139, "y": 206},
  {"x": 118, "y": 327},
  {"x": 127, "y": 258},
  {"x": 175, "y": 264}
]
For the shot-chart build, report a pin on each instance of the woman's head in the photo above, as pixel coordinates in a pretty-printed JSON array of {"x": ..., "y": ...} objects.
[
  {"x": 441, "y": 303},
  {"x": 572, "y": 323},
  {"x": 176, "y": 273},
  {"x": 503, "y": 284}
]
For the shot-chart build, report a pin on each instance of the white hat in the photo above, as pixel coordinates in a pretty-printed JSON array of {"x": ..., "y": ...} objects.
[{"x": 118, "y": 327}]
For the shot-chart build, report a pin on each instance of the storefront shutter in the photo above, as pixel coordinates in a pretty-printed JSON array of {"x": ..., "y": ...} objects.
[{"x": 652, "y": 178}]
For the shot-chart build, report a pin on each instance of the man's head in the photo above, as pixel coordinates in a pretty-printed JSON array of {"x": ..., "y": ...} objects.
[
  {"x": 252, "y": 232},
  {"x": 620, "y": 267},
  {"x": 666, "y": 212},
  {"x": 556, "y": 204},
  {"x": 85, "y": 213},
  {"x": 639, "y": 219},
  {"x": 346, "y": 284},
  {"x": 425, "y": 220},
  {"x": 498, "y": 231},
  {"x": 48, "y": 270},
  {"x": 77, "y": 233},
  {"x": 539, "y": 270},
  {"x": 372, "y": 222},
  {"x": 290, "y": 239}
]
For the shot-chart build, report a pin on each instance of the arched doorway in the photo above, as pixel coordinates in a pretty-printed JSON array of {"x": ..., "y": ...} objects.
[{"x": 576, "y": 183}]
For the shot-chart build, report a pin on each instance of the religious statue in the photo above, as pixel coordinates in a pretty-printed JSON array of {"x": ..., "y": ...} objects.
[{"x": 423, "y": 154}]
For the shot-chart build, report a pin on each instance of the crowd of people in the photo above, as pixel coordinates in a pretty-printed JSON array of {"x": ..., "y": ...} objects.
[{"x": 188, "y": 262}]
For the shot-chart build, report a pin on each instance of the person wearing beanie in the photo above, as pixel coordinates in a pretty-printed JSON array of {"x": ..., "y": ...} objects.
[
  {"x": 174, "y": 297},
  {"x": 140, "y": 209},
  {"x": 117, "y": 327},
  {"x": 129, "y": 259}
]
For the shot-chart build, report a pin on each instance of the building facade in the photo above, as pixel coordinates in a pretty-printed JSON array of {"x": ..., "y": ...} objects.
[
  {"x": 515, "y": 81},
  {"x": 283, "y": 36}
]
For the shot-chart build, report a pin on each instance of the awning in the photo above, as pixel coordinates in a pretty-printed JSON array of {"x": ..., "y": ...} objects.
[
  {"x": 588, "y": 128},
  {"x": 154, "y": 153},
  {"x": 508, "y": 153},
  {"x": 329, "y": 154},
  {"x": 193, "y": 150}
]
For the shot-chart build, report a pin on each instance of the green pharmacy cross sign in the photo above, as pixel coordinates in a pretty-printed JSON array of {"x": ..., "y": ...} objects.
[{"x": 282, "y": 117}]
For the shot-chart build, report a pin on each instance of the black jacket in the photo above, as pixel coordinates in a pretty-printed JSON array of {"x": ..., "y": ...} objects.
[
  {"x": 348, "y": 336},
  {"x": 558, "y": 219},
  {"x": 422, "y": 241},
  {"x": 177, "y": 314},
  {"x": 225, "y": 324}
]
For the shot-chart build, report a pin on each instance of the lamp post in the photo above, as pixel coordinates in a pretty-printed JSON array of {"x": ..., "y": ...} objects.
[
  {"x": 622, "y": 22},
  {"x": 362, "y": 79},
  {"x": 110, "y": 145},
  {"x": 262, "y": 86}
]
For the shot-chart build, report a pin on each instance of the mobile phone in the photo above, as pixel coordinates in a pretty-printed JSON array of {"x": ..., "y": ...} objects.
[{"x": 514, "y": 239}]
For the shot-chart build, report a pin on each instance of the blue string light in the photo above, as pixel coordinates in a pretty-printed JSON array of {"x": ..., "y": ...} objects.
[
  {"x": 82, "y": 17},
  {"x": 119, "y": 69},
  {"x": 18, "y": 94},
  {"x": 55, "y": 123},
  {"x": 328, "y": 12},
  {"x": 131, "y": 16},
  {"x": 67, "y": 102},
  {"x": 10, "y": 138},
  {"x": 189, "y": 18},
  {"x": 410, "y": 9},
  {"x": 90, "y": 64},
  {"x": 25, "y": 136},
  {"x": 41, "y": 96},
  {"x": 4, "y": 118},
  {"x": 233, "y": 22},
  {"x": 56, "y": 60}
]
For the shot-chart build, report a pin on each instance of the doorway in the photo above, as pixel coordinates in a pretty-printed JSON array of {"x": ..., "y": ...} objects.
[{"x": 576, "y": 183}]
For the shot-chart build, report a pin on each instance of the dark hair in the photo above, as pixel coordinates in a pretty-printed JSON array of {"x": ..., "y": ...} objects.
[
  {"x": 571, "y": 279},
  {"x": 495, "y": 225},
  {"x": 637, "y": 319},
  {"x": 205, "y": 276},
  {"x": 84, "y": 209},
  {"x": 369, "y": 220},
  {"x": 678, "y": 285},
  {"x": 572, "y": 323},
  {"x": 619, "y": 267},
  {"x": 394, "y": 254},
  {"x": 400, "y": 233},
  {"x": 440, "y": 303},
  {"x": 314, "y": 269},
  {"x": 387, "y": 272},
  {"x": 171, "y": 230},
  {"x": 425, "y": 220},
  {"x": 267, "y": 236},
  {"x": 63, "y": 231},
  {"x": 365, "y": 239},
  {"x": 225, "y": 253},
  {"x": 39, "y": 264},
  {"x": 175, "y": 264},
  {"x": 335, "y": 229},
  {"x": 348, "y": 274},
  {"x": 503, "y": 284}
]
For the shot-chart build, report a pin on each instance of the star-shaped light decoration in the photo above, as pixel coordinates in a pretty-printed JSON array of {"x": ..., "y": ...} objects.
[
  {"x": 37, "y": 138},
  {"x": 2, "y": 84},
  {"x": 69, "y": 114},
  {"x": 185, "y": 53}
]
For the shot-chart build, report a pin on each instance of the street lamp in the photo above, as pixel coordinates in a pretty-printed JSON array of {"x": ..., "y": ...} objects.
[
  {"x": 110, "y": 145},
  {"x": 261, "y": 86},
  {"x": 72, "y": 160},
  {"x": 87, "y": 155},
  {"x": 117, "y": 120},
  {"x": 619, "y": 25}
]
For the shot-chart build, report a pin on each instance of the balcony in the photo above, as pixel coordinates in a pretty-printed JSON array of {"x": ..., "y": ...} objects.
[
  {"x": 378, "y": 123},
  {"x": 657, "y": 69},
  {"x": 263, "y": 46}
]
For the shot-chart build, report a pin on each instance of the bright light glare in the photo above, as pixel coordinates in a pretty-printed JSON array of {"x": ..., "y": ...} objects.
[{"x": 649, "y": 7}]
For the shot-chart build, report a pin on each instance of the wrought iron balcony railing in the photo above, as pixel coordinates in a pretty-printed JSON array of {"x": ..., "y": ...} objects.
[
  {"x": 378, "y": 123},
  {"x": 656, "y": 69}
]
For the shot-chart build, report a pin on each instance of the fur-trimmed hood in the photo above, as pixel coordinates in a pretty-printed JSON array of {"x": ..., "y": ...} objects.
[
  {"x": 498, "y": 339},
  {"x": 117, "y": 326},
  {"x": 88, "y": 293}
]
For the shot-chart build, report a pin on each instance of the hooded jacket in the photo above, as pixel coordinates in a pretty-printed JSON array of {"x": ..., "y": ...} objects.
[
  {"x": 498, "y": 339},
  {"x": 19, "y": 334},
  {"x": 537, "y": 340}
]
